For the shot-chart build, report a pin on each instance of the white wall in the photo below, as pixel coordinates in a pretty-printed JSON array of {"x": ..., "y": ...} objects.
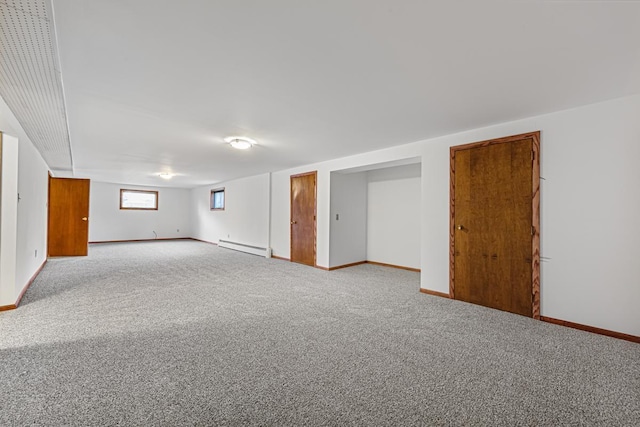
[
  {"x": 379, "y": 213},
  {"x": 107, "y": 222},
  {"x": 589, "y": 231},
  {"x": 348, "y": 239},
  {"x": 245, "y": 218},
  {"x": 27, "y": 219},
  {"x": 280, "y": 197},
  {"x": 393, "y": 215},
  {"x": 8, "y": 219},
  {"x": 589, "y": 234},
  {"x": 33, "y": 187}
]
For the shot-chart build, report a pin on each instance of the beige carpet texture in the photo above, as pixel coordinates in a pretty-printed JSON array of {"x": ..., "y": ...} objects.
[{"x": 185, "y": 333}]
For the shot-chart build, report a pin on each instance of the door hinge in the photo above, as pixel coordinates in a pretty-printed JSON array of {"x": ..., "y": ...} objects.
[
  {"x": 533, "y": 155},
  {"x": 533, "y": 230}
]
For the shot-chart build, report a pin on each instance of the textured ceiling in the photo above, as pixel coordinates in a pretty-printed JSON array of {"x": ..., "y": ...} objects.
[
  {"x": 30, "y": 80},
  {"x": 155, "y": 85}
]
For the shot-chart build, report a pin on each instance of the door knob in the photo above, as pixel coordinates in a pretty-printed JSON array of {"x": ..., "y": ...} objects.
[
  {"x": 294, "y": 222},
  {"x": 84, "y": 218},
  {"x": 460, "y": 227}
]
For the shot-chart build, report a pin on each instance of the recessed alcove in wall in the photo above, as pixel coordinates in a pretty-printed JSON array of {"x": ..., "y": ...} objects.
[{"x": 375, "y": 214}]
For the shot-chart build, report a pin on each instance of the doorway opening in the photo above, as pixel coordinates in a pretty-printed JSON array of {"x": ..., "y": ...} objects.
[{"x": 375, "y": 215}]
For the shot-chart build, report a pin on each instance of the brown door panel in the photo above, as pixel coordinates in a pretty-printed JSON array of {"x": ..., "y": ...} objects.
[
  {"x": 68, "y": 231},
  {"x": 303, "y": 218},
  {"x": 492, "y": 224}
]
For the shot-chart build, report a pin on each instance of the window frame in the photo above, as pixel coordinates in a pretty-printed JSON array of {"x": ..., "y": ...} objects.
[
  {"x": 224, "y": 199},
  {"x": 155, "y": 193}
]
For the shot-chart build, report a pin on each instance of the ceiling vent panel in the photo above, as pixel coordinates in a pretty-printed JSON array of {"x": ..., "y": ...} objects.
[{"x": 30, "y": 79}]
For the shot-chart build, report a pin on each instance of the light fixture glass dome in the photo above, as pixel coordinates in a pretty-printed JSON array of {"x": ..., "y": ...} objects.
[{"x": 240, "y": 142}]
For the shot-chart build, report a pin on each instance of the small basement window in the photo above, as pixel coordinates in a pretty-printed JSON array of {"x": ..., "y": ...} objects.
[
  {"x": 217, "y": 199},
  {"x": 139, "y": 200}
]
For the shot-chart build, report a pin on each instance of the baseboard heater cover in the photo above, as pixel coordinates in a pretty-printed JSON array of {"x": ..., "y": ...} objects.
[{"x": 255, "y": 250}]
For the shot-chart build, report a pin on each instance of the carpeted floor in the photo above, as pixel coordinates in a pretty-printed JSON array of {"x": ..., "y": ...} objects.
[{"x": 184, "y": 333}]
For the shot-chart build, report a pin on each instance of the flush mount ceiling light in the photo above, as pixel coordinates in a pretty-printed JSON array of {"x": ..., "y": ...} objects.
[
  {"x": 165, "y": 175},
  {"x": 240, "y": 142}
]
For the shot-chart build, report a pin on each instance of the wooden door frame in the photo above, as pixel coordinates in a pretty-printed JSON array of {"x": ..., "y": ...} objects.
[
  {"x": 315, "y": 214},
  {"x": 535, "y": 211}
]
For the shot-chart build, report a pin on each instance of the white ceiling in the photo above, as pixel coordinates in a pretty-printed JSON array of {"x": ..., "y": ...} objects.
[{"x": 155, "y": 85}]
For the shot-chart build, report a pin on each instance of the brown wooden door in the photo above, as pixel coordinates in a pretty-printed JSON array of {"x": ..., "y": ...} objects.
[
  {"x": 303, "y": 218},
  {"x": 68, "y": 217},
  {"x": 493, "y": 225}
]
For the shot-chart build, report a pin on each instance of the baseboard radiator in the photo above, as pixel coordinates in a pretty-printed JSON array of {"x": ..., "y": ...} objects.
[{"x": 255, "y": 250}]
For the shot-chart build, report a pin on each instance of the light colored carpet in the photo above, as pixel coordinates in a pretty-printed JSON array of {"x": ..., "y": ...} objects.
[{"x": 184, "y": 333}]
